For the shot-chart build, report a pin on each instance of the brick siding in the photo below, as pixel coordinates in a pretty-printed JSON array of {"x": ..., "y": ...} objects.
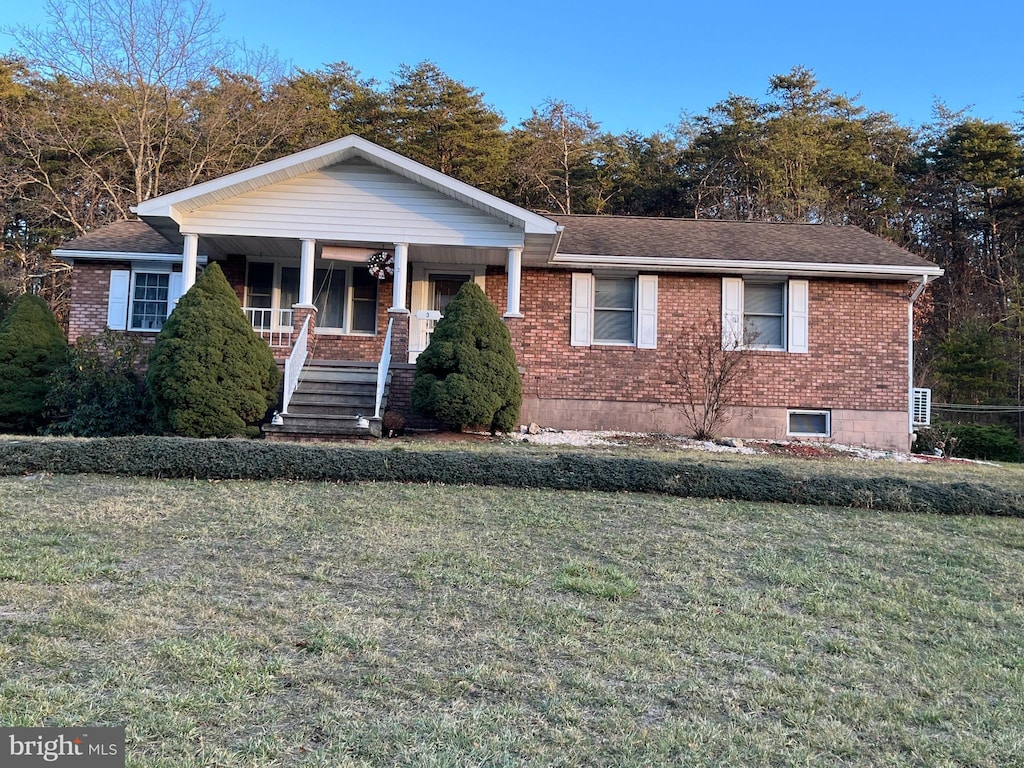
[
  {"x": 857, "y": 355},
  {"x": 856, "y": 365}
]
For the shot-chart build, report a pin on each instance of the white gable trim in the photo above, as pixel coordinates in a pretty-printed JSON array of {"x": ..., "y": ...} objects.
[{"x": 176, "y": 204}]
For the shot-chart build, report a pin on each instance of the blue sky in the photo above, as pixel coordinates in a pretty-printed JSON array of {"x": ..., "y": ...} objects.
[{"x": 638, "y": 66}]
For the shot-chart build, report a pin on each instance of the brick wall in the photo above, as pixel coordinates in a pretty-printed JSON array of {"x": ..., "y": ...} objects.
[
  {"x": 857, "y": 357},
  {"x": 90, "y": 290},
  {"x": 327, "y": 346}
]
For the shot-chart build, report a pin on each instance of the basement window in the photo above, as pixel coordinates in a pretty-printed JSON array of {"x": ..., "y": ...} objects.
[{"x": 809, "y": 423}]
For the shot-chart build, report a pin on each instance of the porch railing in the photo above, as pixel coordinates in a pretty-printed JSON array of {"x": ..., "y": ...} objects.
[
  {"x": 293, "y": 366},
  {"x": 274, "y": 325},
  {"x": 382, "y": 369}
]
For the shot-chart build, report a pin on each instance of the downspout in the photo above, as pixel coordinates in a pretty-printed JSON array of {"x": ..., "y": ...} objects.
[{"x": 925, "y": 280}]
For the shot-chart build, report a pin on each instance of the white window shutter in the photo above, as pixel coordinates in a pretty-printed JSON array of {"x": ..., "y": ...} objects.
[
  {"x": 174, "y": 291},
  {"x": 799, "y": 312},
  {"x": 581, "y": 316},
  {"x": 647, "y": 312},
  {"x": 117, "y": 301},
  {"x": 732, "y": 312}
]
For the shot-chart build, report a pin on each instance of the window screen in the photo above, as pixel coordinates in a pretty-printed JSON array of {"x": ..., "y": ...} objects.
[
  {"x": 764, "y": 314},
  {"x": 615, "y": 310}
]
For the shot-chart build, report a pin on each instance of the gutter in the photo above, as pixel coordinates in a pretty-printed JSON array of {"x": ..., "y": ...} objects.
[
  {"x": 740, "y": 267},
  {"x": 69, "y": 255},
  {"x": 555, "y": 242},
  {"x": 924, "y": 282}
]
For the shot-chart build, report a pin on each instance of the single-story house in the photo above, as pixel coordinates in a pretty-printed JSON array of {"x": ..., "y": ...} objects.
[{"x": 604, "y": 311}]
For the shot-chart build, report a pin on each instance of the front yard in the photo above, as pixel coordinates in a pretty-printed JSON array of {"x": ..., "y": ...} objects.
[{"x": 280, "y": 623}]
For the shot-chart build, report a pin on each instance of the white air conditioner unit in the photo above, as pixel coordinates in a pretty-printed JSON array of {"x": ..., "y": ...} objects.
[{"x": 922, "y": 407}]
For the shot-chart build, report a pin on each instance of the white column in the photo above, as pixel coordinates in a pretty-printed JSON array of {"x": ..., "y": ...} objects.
[
  {"x": 306, "y": 272},
  {"x": 401, "y": 278},
  {"x": 515, "y": 277},
  {"x": 189, "y": 261}
]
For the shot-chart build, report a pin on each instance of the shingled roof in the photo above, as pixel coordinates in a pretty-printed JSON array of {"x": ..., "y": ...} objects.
[
  {"x": 706, "y": 239},
  {"x": 126, "y": 236}
]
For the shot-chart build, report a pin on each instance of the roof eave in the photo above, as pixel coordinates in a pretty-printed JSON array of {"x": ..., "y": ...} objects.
[
  {"x": 739, "y": 267},
  {"x": 70, "y": 254}
]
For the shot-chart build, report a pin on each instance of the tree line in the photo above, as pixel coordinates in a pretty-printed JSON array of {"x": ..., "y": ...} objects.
[{"x": 109, "y": 105}]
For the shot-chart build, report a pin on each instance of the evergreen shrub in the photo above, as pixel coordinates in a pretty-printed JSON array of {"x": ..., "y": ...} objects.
[
  {"x": 32, "y": 345},
  {"x": 210, "y": 373},
  {"x": 986, "y": 442},
  {"x": 467, "y": 375},
  {"x": 989, "y": 442},
  {"x": 168, "y": 457},
  {"x": 98, "y": 391}
]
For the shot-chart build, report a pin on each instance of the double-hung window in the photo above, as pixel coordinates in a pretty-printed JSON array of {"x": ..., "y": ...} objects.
[
  {"x": 764, "y": 314},
  {"x": 614, "y": 310},
  {"x": 345, "y": 296},
  {"x": 346, "y": 299},
  {"x": 149, "y": 300},
  {"x": 141, "y": 298}
]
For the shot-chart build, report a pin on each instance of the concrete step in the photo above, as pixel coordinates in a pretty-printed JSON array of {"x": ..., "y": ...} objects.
[
  {"x": 339, "y": 375},
  {"x": 341, "y": 389},
  {"x": 329, "y": 395},
  {"x": 334, "y": 409},
  {"x": 315, "y": 397},
  {"x": 323, "y": 426}
]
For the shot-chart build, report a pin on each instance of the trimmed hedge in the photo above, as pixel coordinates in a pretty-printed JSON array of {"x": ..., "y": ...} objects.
[{"x": 168, "y": 457}]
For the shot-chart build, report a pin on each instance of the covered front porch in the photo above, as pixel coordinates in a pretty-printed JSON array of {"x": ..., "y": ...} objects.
[
  {"x": 346, "y": 310},
  {"x": 347, "y": 339}
]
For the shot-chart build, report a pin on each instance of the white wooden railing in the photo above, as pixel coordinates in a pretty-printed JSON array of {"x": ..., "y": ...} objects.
[
  {"x": 382, "y": 369},
  {"x": 293, "y": 365},
  {"x": 274, "y": 325}
]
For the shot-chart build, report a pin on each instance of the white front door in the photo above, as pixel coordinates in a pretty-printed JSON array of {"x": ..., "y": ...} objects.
[{"x": 432, "y": 289}]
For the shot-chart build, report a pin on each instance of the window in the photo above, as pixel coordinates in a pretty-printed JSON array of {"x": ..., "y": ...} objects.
[
  {"x": 149, "y": 300},
  {"x": 329, "y": 297},
  {"x": 764, "y": 314},
  {"x": 345, "y": 296},
  {"x": 609, "y": 309},
  {"x": 809, "y": 423},
  {"x": 259, "y": 294},
  {"x": 346, "y": 299},
  {"x": 364, "y": 301},
  {"x": 614, "y": 310},
  {"x": 141, "y": 298}
]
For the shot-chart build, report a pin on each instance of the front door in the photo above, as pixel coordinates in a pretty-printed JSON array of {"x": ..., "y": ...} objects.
[{"x": 441, "y": 288}]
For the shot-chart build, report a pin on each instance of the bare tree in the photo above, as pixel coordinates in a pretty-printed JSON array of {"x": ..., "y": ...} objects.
[
  {"x": 134, "y": 60},
  {"x": 553, "y": 157},
  {"x": 708, "y": 378}
]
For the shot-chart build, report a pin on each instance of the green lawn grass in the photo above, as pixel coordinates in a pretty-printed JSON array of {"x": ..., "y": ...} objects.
[{"x": 258, "y": 624}]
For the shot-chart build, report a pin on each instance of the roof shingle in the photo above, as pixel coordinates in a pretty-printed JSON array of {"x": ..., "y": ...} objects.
[
  {"x": 728, "y": 240},
  {"x": 126, "y": 236}
]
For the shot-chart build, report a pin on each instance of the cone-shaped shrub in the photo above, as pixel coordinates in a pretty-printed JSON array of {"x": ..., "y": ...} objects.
[
  {"x": 31, "y": 346},
  {"x": 467, "y": 375},
  {"x": 210, "y": 374}
]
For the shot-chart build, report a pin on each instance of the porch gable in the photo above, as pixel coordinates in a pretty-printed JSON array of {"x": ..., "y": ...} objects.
[{"x": 354, "y": 201}]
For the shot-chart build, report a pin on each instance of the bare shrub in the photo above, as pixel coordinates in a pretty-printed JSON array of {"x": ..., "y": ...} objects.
[{"x": 708, "y": 377}]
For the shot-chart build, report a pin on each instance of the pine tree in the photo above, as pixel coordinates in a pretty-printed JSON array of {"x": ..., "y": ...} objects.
[
  {"x": 467, "y": 375},
  {"x": 32, "y": 345},
  {"x": 210, "y": 374}
]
